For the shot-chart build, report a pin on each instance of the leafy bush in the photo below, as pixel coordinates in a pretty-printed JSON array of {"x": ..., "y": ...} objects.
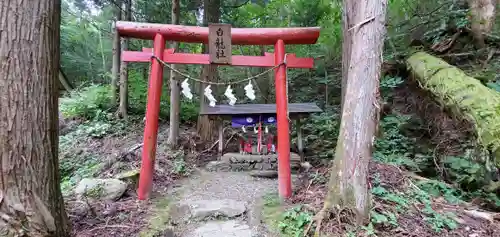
[
  {"x": 322, "y": 132},
  {"x": 138, "y": 93},
  {"x": 87, "y": 103},
  {"x": 294, "y": 221},
  {"x": 189, "y": 111}
]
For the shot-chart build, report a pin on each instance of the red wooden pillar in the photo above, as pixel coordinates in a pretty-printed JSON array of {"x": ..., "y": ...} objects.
[
  {"x": 284, "y": 170},
  {"x": 152, "y": 115}
]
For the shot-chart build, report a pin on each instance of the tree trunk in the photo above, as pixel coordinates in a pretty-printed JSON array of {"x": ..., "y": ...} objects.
[
  {"x": 31, "y": 202},
  {"x": 483, "y": 13},
  {"x": 175, "y": 97},
  {"x": 115, "y": 70},
  {"x": 206, "y": 126},
  {"x": 123, "y": 107},
  {"x": 348, "y": 15},
  {"x": 64, "y": 81},
  {"x": 264, "y": 83},
  {"x": 348, "y": 184}
]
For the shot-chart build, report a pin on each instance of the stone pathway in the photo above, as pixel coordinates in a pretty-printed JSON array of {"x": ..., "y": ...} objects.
[{"x": 221, "y": 204}]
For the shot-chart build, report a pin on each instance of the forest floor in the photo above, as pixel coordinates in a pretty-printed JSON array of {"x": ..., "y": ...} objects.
[{"x": 186, "y": 200}]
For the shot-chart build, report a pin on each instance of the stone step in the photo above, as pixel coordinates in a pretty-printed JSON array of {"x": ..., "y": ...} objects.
[
  {"x": 246, "y": 162},
  {"x": 251, "y": 158},
  {"x": 204, "y": 209},
  {"x": 230, "y": 228}
]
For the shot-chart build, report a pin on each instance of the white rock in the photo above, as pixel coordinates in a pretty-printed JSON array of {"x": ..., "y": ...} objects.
[
  {"x": 222, "y": 229},
  {"x": 209, "y": 208},
  {"x": 101, "y": 189}
]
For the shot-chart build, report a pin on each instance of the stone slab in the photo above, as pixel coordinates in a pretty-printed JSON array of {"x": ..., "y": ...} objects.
[
  {"x": 231, "y": 228},
  {"x": 249, "y": 158},
  {"x": 215, "y": 208}
]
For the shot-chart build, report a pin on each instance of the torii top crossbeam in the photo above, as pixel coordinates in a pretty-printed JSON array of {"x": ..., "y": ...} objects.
[
  {"x": 239, "y": 36},
  {"x": 278, "y": 59}
]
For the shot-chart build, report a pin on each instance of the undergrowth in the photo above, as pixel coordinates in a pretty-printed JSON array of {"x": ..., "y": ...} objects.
[
  {"x": 93, "y": 103},
  {"x": 289, "y": 222},
  {"x": 91, "y": 107},
  {"x": 455, "y": 179}
]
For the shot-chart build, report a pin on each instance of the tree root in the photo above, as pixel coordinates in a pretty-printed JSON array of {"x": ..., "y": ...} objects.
[
  {"x": 318, "y": 219},
  {"x": 343, "y": 216}
]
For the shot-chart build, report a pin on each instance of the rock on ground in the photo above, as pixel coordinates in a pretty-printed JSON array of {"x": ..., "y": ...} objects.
[
  {"x": 215, "y": 208},
  {"x": 229, "y": 228},
  {"x": 100, "y": 189}
]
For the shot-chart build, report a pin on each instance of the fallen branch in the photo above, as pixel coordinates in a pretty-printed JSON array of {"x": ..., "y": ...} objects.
[
  {"x": 446, "y": 44},
  {"x": 420, "y": 178},
  {"x": 110, "y": 226},
  {"x": 109, "y": 162},
  {"x": 480, "y": 215},
  {"x": 211, "y": 147},
  {"x": 490, "y": 55}
]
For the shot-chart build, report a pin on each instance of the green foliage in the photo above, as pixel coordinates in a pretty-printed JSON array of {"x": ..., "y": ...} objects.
[
  {"x": 437, "y": 220},
  {"x": 75, "y": 167},
  {"x": 465, "y": 171},
  {"x": 138, "y": 99},
  {"x": 86, "y": 45},
  {"x": 87, "y": 103},
  {"x": 290, "y": 222},
  {"x": 387, "y": 86},
  {"x": 293, "y": 221},
  {"x": 395, "y": 147},
  {"x": 76, "y": 162},
  {"x": 404, "y": 202},
  {"x": 180, "y": 167},
  {"x": 322, "y": 132}
]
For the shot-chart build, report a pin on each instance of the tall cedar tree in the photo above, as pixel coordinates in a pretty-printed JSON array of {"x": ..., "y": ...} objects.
[
  {"x": 31, "y": 202},
  {"x": 364, "y": 32},
  {"x": 211, "y": 14}
]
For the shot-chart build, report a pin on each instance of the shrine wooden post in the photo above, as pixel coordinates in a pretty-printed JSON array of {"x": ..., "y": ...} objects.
[{"x": 160, "y": 33}]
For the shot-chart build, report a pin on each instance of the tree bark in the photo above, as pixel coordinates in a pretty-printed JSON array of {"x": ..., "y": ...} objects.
[
  {"x": 348, "y": 15},
  {"x": 115, "y": 70},
  {"x": 31, "y": 202},
  {"x": 64, "y": 81},
  {"x": 264, "y": 83},
  {"x": 483, "y": 13},
  {"x": 348, "y": 184},
  {"x": 175, "y": 97},
  {"x": 123, "y": 107},
  {"x": 206, "y": 126}
]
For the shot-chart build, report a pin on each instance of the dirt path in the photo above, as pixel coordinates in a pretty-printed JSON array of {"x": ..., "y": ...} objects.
[{"x": 220, "y": 204}]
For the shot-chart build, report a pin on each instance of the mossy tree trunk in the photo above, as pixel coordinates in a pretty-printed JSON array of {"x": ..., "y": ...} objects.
[
  {"x": 348, "y": 184},
  {"x": 31, "y": 203},
  {"x": 464, "y": 96},
  {"x": 175, "y": 97}
]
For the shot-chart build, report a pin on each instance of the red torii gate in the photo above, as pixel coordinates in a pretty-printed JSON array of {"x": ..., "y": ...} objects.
[{"x": 160, "y": 33}]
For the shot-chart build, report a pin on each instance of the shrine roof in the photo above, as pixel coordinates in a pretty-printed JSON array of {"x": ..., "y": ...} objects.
[{"x": 252, "y": 109}]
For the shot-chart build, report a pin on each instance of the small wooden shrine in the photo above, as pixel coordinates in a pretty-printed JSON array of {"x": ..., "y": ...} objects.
[{"x": 257, "y": 119}]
